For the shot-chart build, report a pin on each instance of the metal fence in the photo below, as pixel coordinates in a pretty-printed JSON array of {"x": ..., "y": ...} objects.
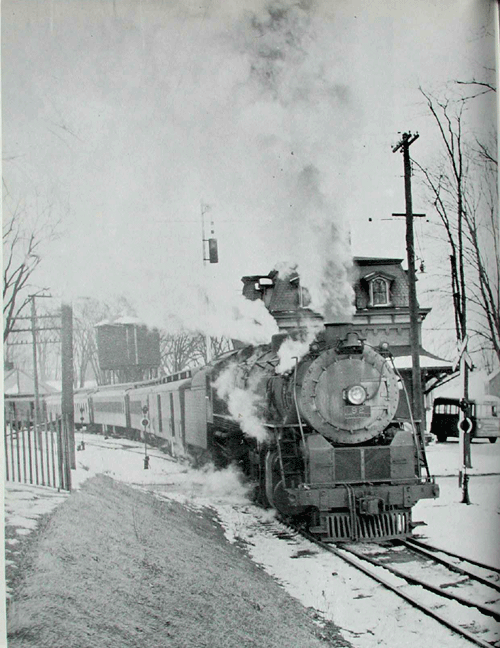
[{"x": 38, "y": 456}]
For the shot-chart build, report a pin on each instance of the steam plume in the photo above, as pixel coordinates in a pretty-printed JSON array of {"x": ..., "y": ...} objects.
[{"x": 244, "y": 405}]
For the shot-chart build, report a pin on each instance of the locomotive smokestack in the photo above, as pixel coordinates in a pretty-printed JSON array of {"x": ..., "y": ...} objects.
[
  {"x": 334, "y": 333},
  {"x": 352, "y": 343}
]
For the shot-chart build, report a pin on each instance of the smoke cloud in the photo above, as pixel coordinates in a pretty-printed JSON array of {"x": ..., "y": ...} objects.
[
  {"x": 137, "y": 114},
  {"x": 292, "y": 350},
  {"x": 244, "y": 404},
  {"x": 227, "y": 484}
]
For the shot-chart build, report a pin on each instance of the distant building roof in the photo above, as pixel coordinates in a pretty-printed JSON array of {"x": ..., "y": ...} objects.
[
  {"x": 454, "y": 387},
  {"x": 376, "y": 261},
  {"x": 128, "y": 319},
  {"x": 427, "y": 362},
  {"x": 121, "y": 321},
  {"x": 19, "y": 383}
]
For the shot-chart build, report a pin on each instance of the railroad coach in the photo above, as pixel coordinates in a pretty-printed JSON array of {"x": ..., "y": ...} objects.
[{"x": 108, "y": 407}]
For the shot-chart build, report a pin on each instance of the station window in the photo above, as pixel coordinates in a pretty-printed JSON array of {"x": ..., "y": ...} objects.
[{"x": 379, "y": 292}]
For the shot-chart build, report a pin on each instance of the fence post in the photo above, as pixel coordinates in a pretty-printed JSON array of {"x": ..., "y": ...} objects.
[
  {"x": 40, "y": 445},
  {"x": 60, "y": 455},
  {"x": 30, "y": 454},
  {"x": 47, "y": 455},
  {"x": 70, "y": 446},
  {"x": 12, "y": 454},
  {"x": 6, "y": 450},
  {"x": 24, "y": 455},
  {"x": 35, "y": 443},
  {"x": 20, "y": 432},
  {"x": 52, "y": 433}
]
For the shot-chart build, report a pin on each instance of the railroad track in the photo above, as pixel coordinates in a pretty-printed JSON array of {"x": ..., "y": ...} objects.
[
  {"x": 444, "y": 581},
  {"x": 480, "y": 572},
  {"x": 122, "y": 444}
]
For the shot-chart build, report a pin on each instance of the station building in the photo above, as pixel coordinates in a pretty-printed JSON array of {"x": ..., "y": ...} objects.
[{"x": 381, "y": 317}]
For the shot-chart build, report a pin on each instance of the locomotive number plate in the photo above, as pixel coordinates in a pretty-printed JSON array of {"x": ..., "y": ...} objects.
[{"x": 357, "y": 411}]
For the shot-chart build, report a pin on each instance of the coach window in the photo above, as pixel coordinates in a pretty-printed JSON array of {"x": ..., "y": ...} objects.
[{"x": 379, "y": 292}]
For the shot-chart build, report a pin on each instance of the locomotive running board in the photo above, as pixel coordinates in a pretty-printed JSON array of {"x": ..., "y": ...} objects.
[{"x": 338, "y": 527}]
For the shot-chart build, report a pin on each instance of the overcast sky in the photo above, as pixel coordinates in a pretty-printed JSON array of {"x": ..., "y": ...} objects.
[{"x": 128, "y": 116}]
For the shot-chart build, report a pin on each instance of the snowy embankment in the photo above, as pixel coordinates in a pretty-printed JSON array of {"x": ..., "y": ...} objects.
[
  {"x": 117, "y": 566},
  {"x": 367, "y": 615}
]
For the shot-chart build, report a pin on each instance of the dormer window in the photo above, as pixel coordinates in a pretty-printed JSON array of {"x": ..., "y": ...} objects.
[
  {"x": 379, "y": 289},
  {"x": 379, "y": 292},
  {"x": 304, "y": 298},
  {"x": 263, "y": 283}
]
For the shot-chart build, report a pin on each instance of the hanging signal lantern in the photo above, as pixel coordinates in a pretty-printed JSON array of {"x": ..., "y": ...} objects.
[{"x": 213, "y": 253}]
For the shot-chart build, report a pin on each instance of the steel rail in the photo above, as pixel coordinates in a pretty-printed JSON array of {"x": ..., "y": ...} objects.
[
  {"x": 424, "y": 545},
  {"x": 429, "y": 553},
  {"x": 356, "y": 562},
  {"x": 413, "y": 580}
]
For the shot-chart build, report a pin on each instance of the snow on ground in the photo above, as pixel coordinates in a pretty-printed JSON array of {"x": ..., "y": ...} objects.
[
  {"x": 25, "y": 503},
  {"x": 471, "y": 529},
  {"x": 367, "y": 615}
]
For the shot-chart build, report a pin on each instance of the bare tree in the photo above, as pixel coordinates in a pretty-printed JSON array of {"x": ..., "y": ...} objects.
[
  {"x": 24, "y": 236},
  {"x": 87, "y": 313},
  {"x": 483, "y": 256},
  {"x": 464, "y": 192},
  {"x": 183, "y": 350},
  {"x": 179, "y": 351},
  {"x": 220, "y": 345}
]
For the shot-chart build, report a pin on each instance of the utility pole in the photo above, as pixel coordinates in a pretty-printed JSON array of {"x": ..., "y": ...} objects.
[
  {"x": 34, "y": 329},
  {"x": 67, "y": 401},
  {"x": 36, "y": 411},
  {"x": 403, "y": 145},
  {"x": 66, "y": 342}
]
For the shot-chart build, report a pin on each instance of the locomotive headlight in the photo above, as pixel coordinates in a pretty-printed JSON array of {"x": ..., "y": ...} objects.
[{"x": 356, "y": 395}]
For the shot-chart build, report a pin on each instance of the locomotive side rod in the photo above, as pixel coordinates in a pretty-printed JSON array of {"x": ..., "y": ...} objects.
[{"x": 356, "y": 562}]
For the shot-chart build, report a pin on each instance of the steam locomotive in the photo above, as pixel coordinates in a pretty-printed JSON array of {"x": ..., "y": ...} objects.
[{"x": 322, "y": 440}]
